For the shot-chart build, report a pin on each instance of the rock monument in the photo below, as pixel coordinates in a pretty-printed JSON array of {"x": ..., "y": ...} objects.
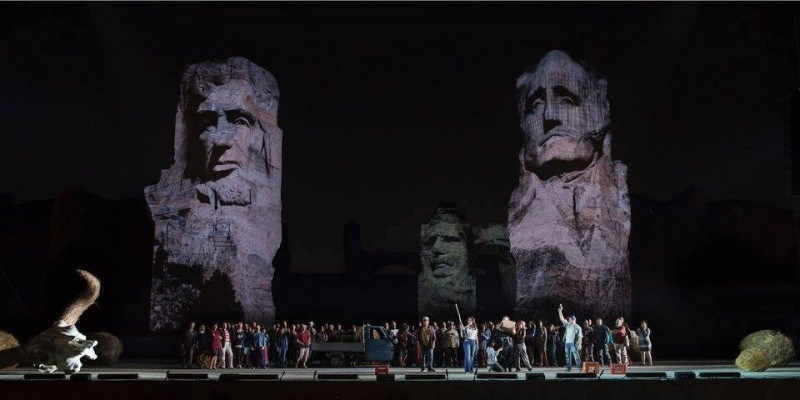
[
  {"x": 217, "y": 209},
  {"x": 497, "y": 235},
  {"x": 447, "y": 278},
  {"x": 569, "y": 218}
]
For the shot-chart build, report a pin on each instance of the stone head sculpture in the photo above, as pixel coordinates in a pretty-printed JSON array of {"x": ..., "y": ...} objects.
[
  {"x": 445, "y": 249},
  {"x": 447, "y": 277},
  {"x": 224, "y": 113},
  {"x": 569, "y": 217},
  {"x": 564, "y": 115},
  {"x": 217, "y": 208}
]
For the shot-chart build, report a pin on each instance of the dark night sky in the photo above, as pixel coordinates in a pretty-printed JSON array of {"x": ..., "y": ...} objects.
[{"x": 388, "y": 109}]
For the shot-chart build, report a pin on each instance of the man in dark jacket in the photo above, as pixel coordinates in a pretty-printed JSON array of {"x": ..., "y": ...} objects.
[
  {"x": 588, "y": 341},
  {"x": 602, "y": 339},
  {"x": 188, "y": 344},
  {"x": 260, "y": 345},
  {"x": 426, "y": 337},
  {"x": 238, "y": 345},
  {"x": 540, "y": 339}
]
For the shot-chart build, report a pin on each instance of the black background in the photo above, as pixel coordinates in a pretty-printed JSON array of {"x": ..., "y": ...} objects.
[{"x": 389, "y": 108}]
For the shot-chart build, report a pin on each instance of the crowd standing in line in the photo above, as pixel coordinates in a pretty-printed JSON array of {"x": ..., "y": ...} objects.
[{"x": 426, "y": 345}]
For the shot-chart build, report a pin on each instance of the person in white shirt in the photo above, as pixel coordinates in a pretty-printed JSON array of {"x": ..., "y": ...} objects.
[
  {"x": 470, "y": 344},
  {"x": 573, "y": 336}
]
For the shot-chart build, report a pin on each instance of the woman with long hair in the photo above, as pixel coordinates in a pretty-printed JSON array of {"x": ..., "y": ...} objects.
[
  {"x": 403, "y": 339},
  {"x": 645, "y": 345},
  {"x": 470, "y": 335},
  {"x": 484, "y": 334}
]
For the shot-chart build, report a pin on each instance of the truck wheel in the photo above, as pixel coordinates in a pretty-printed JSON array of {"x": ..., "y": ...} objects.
[{"x": 336, "y": 361}]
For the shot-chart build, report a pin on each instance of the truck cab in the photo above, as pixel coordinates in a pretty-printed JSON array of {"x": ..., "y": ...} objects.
[{"x": 377, "y": 345}]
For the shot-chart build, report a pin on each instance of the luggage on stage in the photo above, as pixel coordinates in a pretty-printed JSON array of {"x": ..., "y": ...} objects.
[
  {"x": 507, "y": 326},
  {"x": 619, "y": 369}
]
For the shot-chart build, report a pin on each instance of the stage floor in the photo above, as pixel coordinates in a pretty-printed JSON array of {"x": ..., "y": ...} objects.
[
  {"x": 156, "y": 370},
  {"x": 450, "y": 384}
]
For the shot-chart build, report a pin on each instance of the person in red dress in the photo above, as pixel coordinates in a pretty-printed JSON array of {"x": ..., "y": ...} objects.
[
  {"x": 304, "y": 345},
  {"x": 215, "y": 339}
]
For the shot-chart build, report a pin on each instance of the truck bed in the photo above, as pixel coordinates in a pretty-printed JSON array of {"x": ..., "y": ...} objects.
[{"x": 343, "y": 347}]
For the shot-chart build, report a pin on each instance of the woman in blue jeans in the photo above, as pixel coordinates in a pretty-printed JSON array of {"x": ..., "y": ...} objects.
[
  {"x": 284, "y": 338},
  {"x": 470, "y": 344}
]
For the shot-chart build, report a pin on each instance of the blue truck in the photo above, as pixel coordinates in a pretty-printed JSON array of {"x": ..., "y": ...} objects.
[{"x": 376, "y": 347}]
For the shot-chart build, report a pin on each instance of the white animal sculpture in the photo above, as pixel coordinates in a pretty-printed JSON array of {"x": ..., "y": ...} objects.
[{"x": 61, "y": 346}]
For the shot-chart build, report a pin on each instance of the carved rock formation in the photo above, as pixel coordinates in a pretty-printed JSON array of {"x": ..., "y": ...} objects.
[
  {"x": 446, "y": 278},
  {"x": 218, "y": 207},
  {"x": 569, "y": 218},
  {"x": 497, "y": 235}
]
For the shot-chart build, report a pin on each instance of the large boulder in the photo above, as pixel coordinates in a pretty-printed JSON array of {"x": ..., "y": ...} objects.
[
  {"x": 753, "y": 360},
  {"x": 777, "y": 347},
  {"x": 9, "y": 350},
  {"x": 108, "y": 349}
]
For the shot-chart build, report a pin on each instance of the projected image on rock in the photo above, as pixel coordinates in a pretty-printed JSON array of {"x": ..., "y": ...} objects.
[
  {"x": 569, "y": 218},
  {"x": 217, "y": 210}
]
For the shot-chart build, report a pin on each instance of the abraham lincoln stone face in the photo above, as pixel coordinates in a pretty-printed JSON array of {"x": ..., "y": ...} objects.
[
  {"x": 226, "y": 110},
  {"x": 564, "y": 115},
  {"x": 217, "y": 208},
  {"x": 229, "y": 132}
]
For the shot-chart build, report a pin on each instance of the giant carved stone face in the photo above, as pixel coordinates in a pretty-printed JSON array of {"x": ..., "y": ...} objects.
[
  {"x": 569, "y": 218},
  {"x": 446, "y": 277},
  {"x": 445, "y": 245},
  {"x": 225, "y": 112},
  {"x": 229, "y": 132},
  {"x": 564, "y": 115},
  {"x": 217, "y": 209}
]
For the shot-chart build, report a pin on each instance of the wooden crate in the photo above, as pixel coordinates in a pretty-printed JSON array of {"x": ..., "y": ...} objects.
[
  {"x": 591, "y": 367},
  {"x": 619, "y": 369},
  {"x": 381, "y": 369}
]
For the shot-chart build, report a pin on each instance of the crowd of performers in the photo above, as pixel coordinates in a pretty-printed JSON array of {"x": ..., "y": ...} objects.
[{"x": 501, "y": 346}]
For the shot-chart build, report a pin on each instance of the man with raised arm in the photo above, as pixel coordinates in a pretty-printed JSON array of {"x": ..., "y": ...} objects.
[{"x": 572, "y": 338}]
